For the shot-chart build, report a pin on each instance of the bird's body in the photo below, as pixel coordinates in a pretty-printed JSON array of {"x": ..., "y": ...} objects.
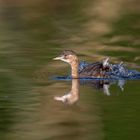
[{"x": 94, "y": 70}]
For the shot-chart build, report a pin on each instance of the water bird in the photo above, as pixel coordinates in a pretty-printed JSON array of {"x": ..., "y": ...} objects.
[
  {"x": 81, "y": 70},
  {"x": 102, "y": 69}
]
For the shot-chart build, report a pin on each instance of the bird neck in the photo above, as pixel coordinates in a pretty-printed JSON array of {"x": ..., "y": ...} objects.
[{"x": 74, "y": 69}]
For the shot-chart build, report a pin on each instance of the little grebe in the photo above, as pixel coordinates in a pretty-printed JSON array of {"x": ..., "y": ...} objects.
[{"x": 94, "y": 70}]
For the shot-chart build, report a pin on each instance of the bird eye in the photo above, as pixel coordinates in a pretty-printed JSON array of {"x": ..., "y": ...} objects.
[{"x": 65, "y": 56}]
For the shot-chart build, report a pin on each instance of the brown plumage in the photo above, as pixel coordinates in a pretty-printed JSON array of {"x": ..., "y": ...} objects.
[{"x": 96, "y": 70}]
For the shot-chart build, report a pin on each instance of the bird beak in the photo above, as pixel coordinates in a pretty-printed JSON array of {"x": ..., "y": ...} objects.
[
  {"x": 61, "y": 58},
  {"x": 58, "y": 58}
]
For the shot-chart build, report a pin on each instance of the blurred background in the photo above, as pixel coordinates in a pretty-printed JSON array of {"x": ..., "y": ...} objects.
[{"x": 32, "y": 33}]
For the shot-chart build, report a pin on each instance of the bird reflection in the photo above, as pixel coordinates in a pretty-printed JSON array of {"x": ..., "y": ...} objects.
[
  {"x": 73, "y": 96},
  {"x": 104, "y": 85}
]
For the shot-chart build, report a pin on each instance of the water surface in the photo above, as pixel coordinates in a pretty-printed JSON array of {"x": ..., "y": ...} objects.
[{"x": 32, "y": 34}]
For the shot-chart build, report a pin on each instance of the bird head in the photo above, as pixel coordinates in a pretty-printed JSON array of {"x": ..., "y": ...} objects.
[{"x": 67, "y": 56}]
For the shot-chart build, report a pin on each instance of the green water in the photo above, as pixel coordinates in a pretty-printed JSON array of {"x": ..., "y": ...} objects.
[{"x": 32, "y": 33}]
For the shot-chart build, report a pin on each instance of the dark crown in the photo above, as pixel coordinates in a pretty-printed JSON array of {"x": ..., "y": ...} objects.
[{"x": 68, "y": 52}]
